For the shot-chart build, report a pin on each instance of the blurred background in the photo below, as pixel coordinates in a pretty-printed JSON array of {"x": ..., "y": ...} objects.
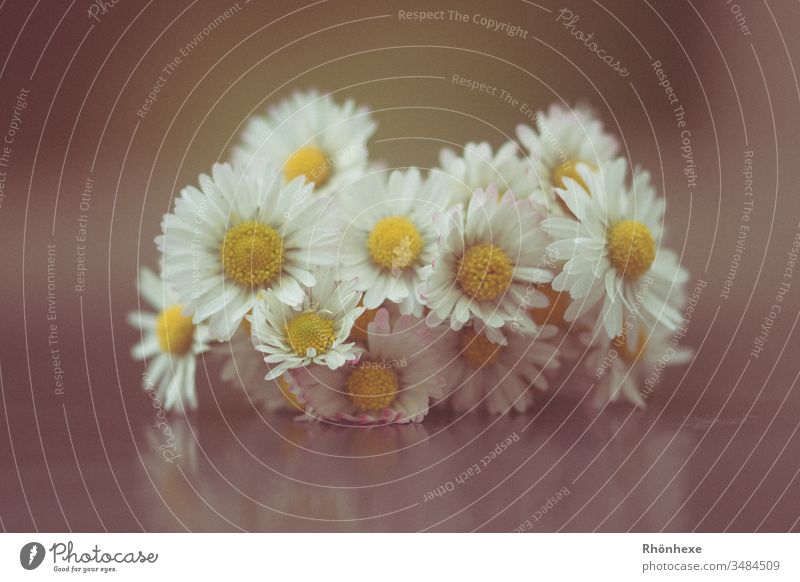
[{"x": 86, "y": 179}]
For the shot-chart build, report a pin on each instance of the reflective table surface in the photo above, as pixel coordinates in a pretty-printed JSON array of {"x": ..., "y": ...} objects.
[{"x": 565, "y": 467}]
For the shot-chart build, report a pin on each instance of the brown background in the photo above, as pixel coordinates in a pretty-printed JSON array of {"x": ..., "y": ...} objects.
[{"x": 717, "y": 448}]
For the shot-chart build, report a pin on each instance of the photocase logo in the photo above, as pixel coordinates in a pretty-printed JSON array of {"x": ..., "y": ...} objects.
[{"x": 31, "y": 555}]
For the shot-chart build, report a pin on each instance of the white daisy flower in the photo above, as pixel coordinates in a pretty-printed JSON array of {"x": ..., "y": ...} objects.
[
  {"x": 243, "y": 368},
  {"x": 242, "y": 233},
  {"x": 315, "y": 332},
  {"x": 480, "y": 167},
  {"x": 611, "y": 250},
  {"x": 564, "y": 138},
  {"x": 488, "y": 262},
  {"x": 310, "y": 135},
  {"x": 170, "y": 344},
  {"x": 394, "y": 382},
  {"x": 389, "y": 236},
  {"x": 632, "y": 373},
  {"x": 498, "y": 376}
]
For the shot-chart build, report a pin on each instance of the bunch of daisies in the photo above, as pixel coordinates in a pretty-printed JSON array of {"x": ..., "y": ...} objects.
[{"x": 331, "y": 287}]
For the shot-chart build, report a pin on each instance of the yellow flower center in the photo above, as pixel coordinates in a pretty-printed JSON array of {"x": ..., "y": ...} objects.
[
  {"x": 372, "y": 387},
  {"x": 283, "y": 386},
  {"x": 310, "y": 331},
  {"x": 631, "y": 248},
  {"x": 394, "y": 243},
  {"x": 553, "y": 314},
  {"x": 477, "y": 349},
  {"x": 175, "y": 331},
  {"x": 621, "y": 345},
  {"x": 484, "y": 272},
  {"x": 359, "y": 330},
  {"x": 569, "y": 169},
  {"x": 252, "y": 253},
  {"x": 309, "y": 161}
]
